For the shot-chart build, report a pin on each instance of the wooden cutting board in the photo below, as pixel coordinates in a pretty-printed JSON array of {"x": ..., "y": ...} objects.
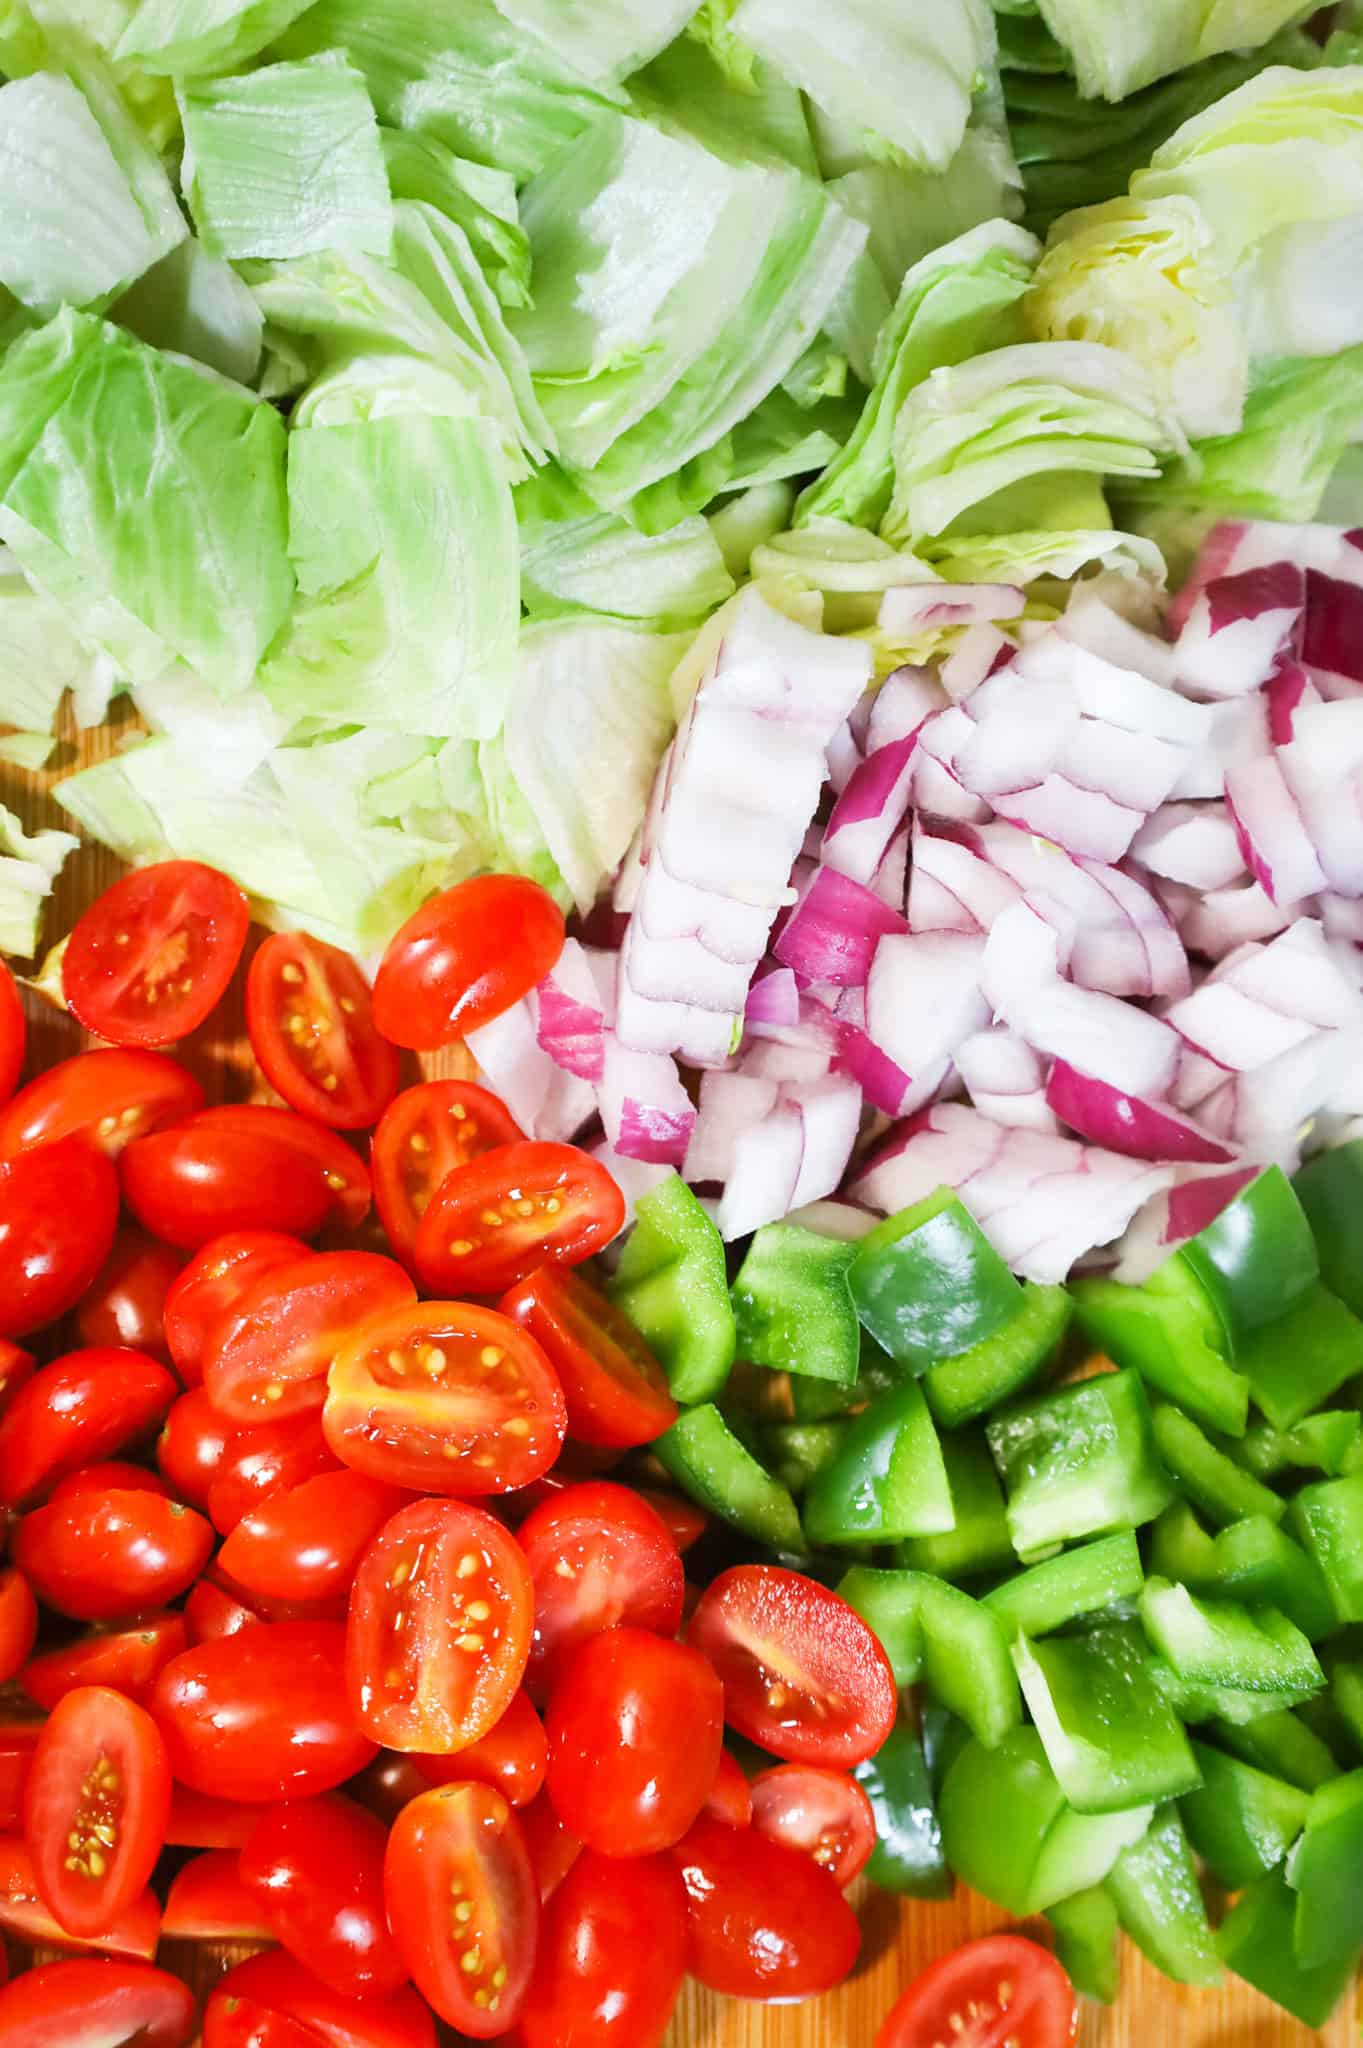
[{"x": 900, "y": 1938}]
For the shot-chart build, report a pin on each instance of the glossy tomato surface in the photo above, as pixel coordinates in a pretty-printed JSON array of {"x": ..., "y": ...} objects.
[
  {"x": 200, "y": 1820},
  {"x": 192, "y": 1445},
  {"x": 425, "y": 1133},
  {"x": 464, "y": 958},
  {"x": 315, "y": 1870},
  {"x": 87, "y": 2004},
  {"x": 439, "y": 1629},
  {"x": 278, "y": 1983},
  {"x": 209, "y": 1900},
  {"x": 306, "y": 1542},
  {"x": 765, "y": 1921},
  {"x": 512, "y": 1757},
  {"x": 58, "y": 1214},
  {"x": 96, "y": 1805},
  {"x": 553, "y": 1849},
  {"x": 988, "y": 1994},
  {"x": 244, "y": 2023},
  {"x": 825, "y": 1813},
  {"x": 598, "y": 1556},
  {"x": 18, "y": 1623},
  {"x": 311, "y": 1021},
  {"x": 261, "y": 1715},
  {"x": 111, "y": 1475},
  {"x": 211, "y": 1283},
  {"x": 444, "y": 1397},
  {"x": 25, "y": 1913},
  {"x": 730, "y": 1797},
  {"x": 153, "y": 955},
  {"x": 196, "y": 1180},
  {"x": 127, "y": 1660},
  {"x": 267, "y": 1355},
  {"x": 463, "y": 1905},
  {"x": 338, "y": 1165},
  {"x": 492, "y": 1222},
  {"x": 262, "y": 1460},
  {"x": 103, "y": 1558},
  {"x": 615, "y": 1389},
  {"x": 13, "y": 1035},
  {"x": 108, "y": 1098},
  {"x": 77, "y": 1411},
  {"x": 612, "y": 1955},
  {"x": 127, "y": 1299}
]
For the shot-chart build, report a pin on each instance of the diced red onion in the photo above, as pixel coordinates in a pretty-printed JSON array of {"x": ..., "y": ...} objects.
[
  {"x": 571, "y": 1026},
  {"x": 545, "y": 1101},
  {"x": 1236, "y": 545},
  {"x": 1238, "y": 731},
  {"x": 646, "y": 1112},
  {"x": 1005, "y": 1079},
  {"x": 910, "y": 608},
  {"x": 907, "y": 697},
  {"x": 1271, "y": 832},
  {"x": 1217, "y": 923},
  {"x": 1238, "y": 629},
  {"x": 840, "y": 1220},
  {"x": 1332, "y": 644},
  {"x": 1289, "y": 690},
  {"x": 1091, "y": 622},
  {"x": 869, "y": 811},
  {"x": 1170, "y": 1218},
  {"x": 1191, "y": 843},
  {"x": 923, "y": 997},
  {"x": 1127, "y": 1123},
  {"x": 844, "y": 758},
  {"x": 977, "y": 654},
  {"x": 773, "y": 999},
  {"x": 885, "y": 1085},
  {"x": 1264, "y": 999},
  {"x": 763, "y": 1174},
  {"x": 833, "y": 932},
  {"x": 937, "y": 788},
  {"x": 729, "y": 1105},
  {"x": 891, "y": 879}
]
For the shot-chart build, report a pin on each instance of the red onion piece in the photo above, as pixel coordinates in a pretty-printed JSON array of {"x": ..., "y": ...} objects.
[
  {"x": 545, "y": 1101},
  {"x": 1005, "y": 1079},
  {"x": 870, "y": 811},
  {"x": 572, "y": 1021},
  {"x": 1127, "y": 1123},
  {"x": 646, "y": 1112},
  {"x": 1264, "y": 999},
  {"x": 923, "y": 997},
  {"x": 1239, "y": 628},
  {"x": 1191, "y": 843},
  {"x": 910, "y": 608},
  {"x": 833, "y": 932}
]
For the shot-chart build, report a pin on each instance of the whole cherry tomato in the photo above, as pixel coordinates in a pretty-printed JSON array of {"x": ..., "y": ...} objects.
[
  {"x": 598, "y": 1556},
  {"x": 153, "y": 955},
  {"x": 96, "y": 1806},
  {"x": 424, "y": 1134},
  {"x": 1002, "y": 1988},
  {"x": 463, "y": 958},
  {"x": 242, "y": 2023},
  {"x": 803, "y": 1675},
  {"x": 77, "y": 1411},
  {"x": 730, "y": 1797},
  {"x": 58, "y": 1213},
  {"x": 126, "y": 1302},
  {"x": 87, "y": 2004},
  {"x": 315, "y": 1870},
  {"x": 17, "y": 1368},
  {"x": 198, "y": 1820},
  {"x": 261, "y": 1715},
  {"x": 512, "y": 1757},
  {"x": 460, "y": 1846},
  {"x": 126, "y": 1660},
  {"x": 193, "y": 1443},
  {"x": 214, "y": 1610},
  {"x": 209, "y": 1900},
  {"x": 279, "y": 1984},
  {"x": 823, "y": 1812},
  {"x": 343, "y": 1173},
  {"x": 196, "y": 1180},
  {"x": 439, "y": 1630},
  {"x": 213, "y": 1282},
  {"x": 766, "y": 1922},
  {"x": 101, "y": 1558},
  {"x": 111, "y": 1475},
  {"x": 265, "y": 1459},
  {"x": 492, "y": 1222},
  {"x": 18, "y": 1623},
  {"x": 612, "y": 1955},
  {"x": 553, "y": 1849},
  {"x": 25, "y": 1914},
  {"x": 443, "y": 1397},
  {"x": 306, "y": 1543},
  {"x": 616, "y": 1391},
  {"x": 311, "y": 1020},
  {"x": 18, "y": 1740},
  {"x": 108, "y": 1098},
  {"x": 267, "y": 1355},
  {"x": 13, "y": 1035}
]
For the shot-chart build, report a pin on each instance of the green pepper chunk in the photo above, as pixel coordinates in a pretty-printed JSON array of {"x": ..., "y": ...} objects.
[
  {"x": 1110, "y": 1736},
  {"x": 673, "y": 1284},
  {"x": 908, "y": 1855},
  {"x": 1195, "y": 1701},
  {"x": 935, "y": 1632},
  {"x": 1221, "y": 1644},
  {"x": 1241, "y": 1821},
  {"x": 979, "y": 1542},
  {"x": 1009, "y": 1832},
  {"x": 928, "y": 1284},
  {"x": 1327, "y": 1874},
  {"x": 1258, "y": 1256},
  {"x": 1170, "y": 1332},
  {"x": 1282, "y": 1744},
  {"x": 1330, "y": 1190},
  {"x": 1086, "y": 1931},
  {"x": 1256, "y": 1942},
  {"x": 1083, "y": 1581},
  {"x": 819, "y": 1400},
  {"x": 796, "y": 1452},
  {"x": 792, "y": 1308},
  {"x": 1328, "y": 1519},
  {"x": 888, "y": 1480},
  {"x": 1079, "y": 1462},
  {"x": 1155, "y": 1890},
  {"x": 963, "y": 1388},
  {"x": 1295, "y": 1363},
  {"x": 1213, "y": 1482},
  {"x": 1346, "y": 1701},
  {"x": 1319, "y": 1443},
  {"x": 708, "y": 1461}
]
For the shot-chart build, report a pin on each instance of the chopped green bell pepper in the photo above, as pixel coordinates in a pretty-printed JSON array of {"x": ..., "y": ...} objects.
[
  {"x": 796, "y": 1452},
  {"x": 1009, "y": 1831},
  {"x": 708, "y": 1461},
  {"x": 928, "y": 1284},
  {"x": 1330, "y": 1190},
  {"x": 673, "y": 1284},
  {"x": 1086, "y": 1931},
  {"x": 1252, "y": 1561},
  {"x": 944, "y": 1737},
  {"x": 888, "y": 1480},
  {"x": 1320, "y": 1443},
  {"x": 792, "y": 1308},
  {"x": 963, "y": 1388},
  {"x": 933, "y": 1631},
  {"x": 1241, "y": 1821},
  {"x": 1295, "y": 1363},
  {"x": 1328, "y": 1520},
  {"x": 1282, "y": 1744},
  {"x": 1079, "y": 1462},
  {"x": 819, "y": 1400},
  {"x": 1326, "y": 1873},
  {"x": 1346, "y": 1700},
  {"x": 1221, "y": 1644},
  {"x": 1084, "y": 1581},
  {"x": 1110, "y": 1736},
  {"x": 1257, "y": 1257},
  {"x": 908, "y": 1855},
  {"x": 1213, "y": 1482},
  {"x": 1155, "y": 1890},
  {"x": 888, "y": 1603},
  {"x": 980, "y": 1541},
  {"x": 1171, "y": 1333},
  {"x": 1196, "y": 1702},
  {"x": 1256, "y": 1942}
]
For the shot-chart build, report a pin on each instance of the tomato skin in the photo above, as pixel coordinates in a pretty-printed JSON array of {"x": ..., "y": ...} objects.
[
  {"x": 213, "y": 1611},
  {"x": 18, "y": 1623},
  {"x": 97, "y": 1797},
  {"x": 512, "y": 1757},
  {"x": 25, "y": 1914},
  {"x": 18, "y": 1740},
  {"x": 958, "y": 1999},
  {"x": 108, "y": 1098},
  {"x": 821, "y": 1812},
  {"x": 88, "y": 2004},
  {"x": 175, "y": 918},
  {"x": 211, "y": 1283},
  {"x": 193, "y": 1443},
  {"x": 242, "y": 2023},
  {"x": 386, "y": 1786},
  {"x": 766, "y": 1922},
  {"x": 277, "y": 1982},
  {"x": 463, "y": 1842},
  {"x": 612, "y": 1955},
  {"x": 439, "y": 1629},
  {"x": 209, "y": 1900},
  {"x": 126, "y": 1303},
  {"x": 731, "y": 1797},
  {"x": 464, "y": 958},
  {"x": 306, "y": 1543},
  {"x": 684, "y": 1521},
  {"x": 126, "y": 1661},
  {"x": 267, "y": 1356},
  {"x": 17, "y": 1368},
  {"x": 444, "y": 1397},
  {"x": 117, "y": 1475},
  {"x": 598, "y": 1556},
  {"x": 311, "y": 1022},
  {"x": 575, "y": 1209},
  {"x": 264, "y": 1460},
  {"x": 616, "y": 1391},
  {"x": 424, "y": 1134},
  {"x": 315, "y": 1870},
  {"x": 343, "y": 1173},
  {"x": 635, "y": 1727},
  {"x": 194, "y": 1182},
  {"x": 58, "y": 1213},
  {"x": 198, "y": 1820},
  {"x": 552, "y": 1848},
  {"x": 261, "y": 1716},
  {"x": 809, "y": 1630},
  {"x": 78, "y": 1411},
  {"x": 13, "y": 1035},
  {"x": 100, "y": 1559}
]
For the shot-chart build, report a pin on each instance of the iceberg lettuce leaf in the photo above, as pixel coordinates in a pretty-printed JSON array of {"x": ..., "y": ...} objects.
[
  {"x": 193, "y": 38},
  {"x": 194, "y": 304},
  {"x": 574, "y": 555}
]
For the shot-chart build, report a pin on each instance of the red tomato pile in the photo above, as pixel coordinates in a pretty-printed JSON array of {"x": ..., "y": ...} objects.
[{"x": 334, "y": 1653}]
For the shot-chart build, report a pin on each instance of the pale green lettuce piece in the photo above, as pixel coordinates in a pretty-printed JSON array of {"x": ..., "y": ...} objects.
[
  {"x": 29, "y": 864},
  {"x": 40, "y": 660},
  {"x": 711, "y": 27},
  {"x": 1115, "y": 50},
  {"x": 742, "y": 523},
  {"x": 285, "y": 161},
  {"x": 602, "y": 39},
  {"x": 1302, "y": 295},
  {"x": 1143, "y": 276},
  {"x": 189, "y": 38},
  {"x": 904, "y": 76},
  {"x": 958, "y": 302},
  {"x": 27, "y": 750},
  {"x": 575, "y": 555},
  {"x": 1056, "y": 557},
  {"x": 762, "y": 115},
  {"x": 460, "y": 72},
  {"x": 148, "y": 498},
  {"x": 403, "y": 541},
  {"x": 195, "y": 305},
  {"x": 481, "y": 201},
  {"x": 909, "y": 214}
]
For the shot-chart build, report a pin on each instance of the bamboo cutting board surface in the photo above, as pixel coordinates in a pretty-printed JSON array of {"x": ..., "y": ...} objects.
[{"x": 900, "y": 1938}]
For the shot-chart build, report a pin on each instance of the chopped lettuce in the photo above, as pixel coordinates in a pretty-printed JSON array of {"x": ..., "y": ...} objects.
[
  {"x": 29, "y": 864},
  {"x": 191, "y": 38},
  {"x": 575, "y": 555},
  {"x": 1116, "y": 50},
  {"x": 480, "y": 201},
  {"x": 194, "y": 304},
  {"x": 602, "y": 39},
  {"x": 40, "y": 660}
]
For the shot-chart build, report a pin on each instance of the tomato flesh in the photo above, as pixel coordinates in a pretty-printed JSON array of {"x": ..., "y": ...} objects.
[
  {"x": 464, "y": 958},
  {"x": 985, "y": 1995},
  {"x": 75, "y": 1412},
  {"x": 492, "y": 1222},
  {"x": 213, "y": 1282},
  {"x": 765, "y": 1921},
  {"x": 267, "y": 1355},
  {"x": 598, "y": 1556},
  {"x": 153, "y": 955},
  {"x": 58, "y": 1214},
  {"x": 86, "y": 2004},
  {"x": 315, "y": 1870},
  {"x": 96, "y": 1806},
  {"x": 612, "y": 1955},
  {"x": 209, "y": 1900},
  {"x": 279, "y": 1984},
  {"x": 824, "y": 1813},
  {"x": 310, "y": 1016},
  {"x": 108, "y": 1098},
  {"x": 616, "y": 1391},
  {"x": 104, "y": 1557},
  {"x": 25, "y": 1914},
  {"x": 423, "y": 1135}
]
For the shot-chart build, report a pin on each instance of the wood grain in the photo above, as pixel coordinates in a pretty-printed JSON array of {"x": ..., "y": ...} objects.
[{"x": 900, "y": 1938}]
